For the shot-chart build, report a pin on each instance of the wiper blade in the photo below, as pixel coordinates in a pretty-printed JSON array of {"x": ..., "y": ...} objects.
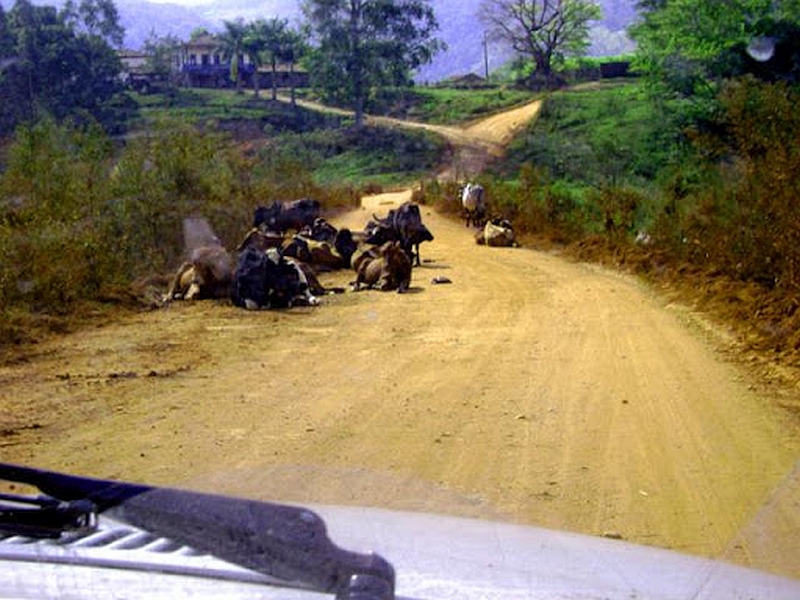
[
  {"x": 45, "y": 517},
  {"x": 285, "y": 542}
]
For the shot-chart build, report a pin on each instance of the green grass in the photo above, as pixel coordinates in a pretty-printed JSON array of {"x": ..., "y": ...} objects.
[
  {"x": 597, "y": 136},
  {"x": 373, "y": 155},
  {"x": 447, "y": 106},
  {"x": 209, "y": 107},
  {"x": 321, "y": 144}
]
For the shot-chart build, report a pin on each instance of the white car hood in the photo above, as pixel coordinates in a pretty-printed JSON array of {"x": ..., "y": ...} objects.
[{"x": 435, "y": 557}]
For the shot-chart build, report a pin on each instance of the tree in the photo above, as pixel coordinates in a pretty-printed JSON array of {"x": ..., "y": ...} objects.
[
  {"x": 6, "y": 40},
  {"x": 541, "y": 29},
  {"x": 689, "y": 47},
  {"x": 295, "y": 48},
  {"x": 266, "y": 39},
  {"x": 96, "y": 18},
  {"x": 56, "y": 66},
  {"x": 361, "y": 45},
  {"x": 161, "y": 52},
  {"x": 232, "y": 40}
]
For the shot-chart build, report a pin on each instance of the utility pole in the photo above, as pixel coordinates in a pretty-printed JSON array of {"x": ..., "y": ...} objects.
[{"x": 486, "y": 56}]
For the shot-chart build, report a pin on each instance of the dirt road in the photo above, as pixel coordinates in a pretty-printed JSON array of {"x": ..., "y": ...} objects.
[{"x": 530, "y": 389}]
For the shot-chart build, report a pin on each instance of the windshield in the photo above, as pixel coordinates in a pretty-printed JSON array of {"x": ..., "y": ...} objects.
[{"x": 618, "y": 362}]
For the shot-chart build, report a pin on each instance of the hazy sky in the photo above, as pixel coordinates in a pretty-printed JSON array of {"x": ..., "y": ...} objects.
[{"x": 183, "y": 2}]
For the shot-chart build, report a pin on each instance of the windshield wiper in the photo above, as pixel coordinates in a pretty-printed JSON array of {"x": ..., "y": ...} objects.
[
  {"x": 285, "y": 542},
  {"x": 44, "y": 517}
]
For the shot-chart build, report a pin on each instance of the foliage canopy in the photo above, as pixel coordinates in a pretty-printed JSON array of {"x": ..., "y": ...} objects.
[
  {"x": 542, "y": 30},
  {"x": 363, "y": 45},
  {"x": 61, "y": 63},
  {"x": 687, "y": 47}
]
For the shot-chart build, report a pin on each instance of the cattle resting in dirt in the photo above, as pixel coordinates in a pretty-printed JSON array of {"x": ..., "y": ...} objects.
[
  {"x": 473, "y": 201},
  {"x": 208, "y": 274},
  {"x": 320, "y": 230},
  {"x": 389, "y": 270},
  {"x": 280, "y": 217},
  {"x": 364, "y": 252},
  {"x": 497, "y": 232},
  {"x": 268, "y": 280},
  {"x": 261, "y": 240},
  {"x": 321, "y": 255}
]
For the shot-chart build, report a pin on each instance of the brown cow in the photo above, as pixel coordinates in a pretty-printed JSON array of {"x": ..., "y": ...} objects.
[
  {"x": 390, "y": 270},
  {"x": 207, "y": 275}
]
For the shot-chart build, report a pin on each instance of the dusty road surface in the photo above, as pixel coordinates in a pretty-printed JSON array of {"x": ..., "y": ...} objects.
[{"x": 529, "y": 389}]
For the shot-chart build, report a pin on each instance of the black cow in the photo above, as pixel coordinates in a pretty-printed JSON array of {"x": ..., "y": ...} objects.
[
  {"x": 402, "y": 224},
  {"x": 267, "y": 280},
  {"x": 283, "y": 216},
  {"x": 322, "y": 255},
  {"x": 322, "y": 245},
  {"x": 345, "y": 244},
  {"x": 320, "y": 230}
]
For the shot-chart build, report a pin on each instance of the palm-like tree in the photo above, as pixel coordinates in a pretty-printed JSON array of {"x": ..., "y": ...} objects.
[
  {"x": 294, "y": 49},
  {"x": 266, "y": 39},
  {"x": 232, "y": 41},
  {"x": 253, "y": 45},
  {"x": 275, "y": 33}
]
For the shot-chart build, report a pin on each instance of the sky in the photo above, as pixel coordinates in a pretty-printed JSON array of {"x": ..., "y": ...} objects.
[{"x": 183, "y": 2}]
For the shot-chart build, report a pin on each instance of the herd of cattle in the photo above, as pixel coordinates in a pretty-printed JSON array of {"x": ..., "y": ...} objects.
[{"x": 289, "y": 243}]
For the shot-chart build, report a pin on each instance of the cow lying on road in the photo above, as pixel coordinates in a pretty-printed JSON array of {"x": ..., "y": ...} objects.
[
  {"x": 388, "y": 269},
  {"x": 497, "y": 232},
  {"x": 265, "y": 279},
  {"x": 207, "y": 275},
  {"x": 280, "y": 216},
  {"x": 323, "y": 254}
]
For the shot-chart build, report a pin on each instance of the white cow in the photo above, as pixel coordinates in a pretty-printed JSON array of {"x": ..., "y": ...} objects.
[
  {"x": 497, "y": 232},
  {"x": 473, "y": 201}
]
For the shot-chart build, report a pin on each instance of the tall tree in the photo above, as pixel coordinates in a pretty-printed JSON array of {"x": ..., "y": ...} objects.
[
  {"x": 97, "y": 18},
  {"x": 232, "y": 39},
  {"x": 296, "y": 47},
  {"x": 541, "y": 30},
  {"x": 6, "y": 39},
  {"x": 361, "y": 45},
  {"x": 57, "y": 68},
  {"x": 161, "y": 52},
  {"x": 266, "y": 40}
]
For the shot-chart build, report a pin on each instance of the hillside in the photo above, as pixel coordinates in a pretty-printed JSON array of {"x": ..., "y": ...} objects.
[{"x": 459, "y": 27}]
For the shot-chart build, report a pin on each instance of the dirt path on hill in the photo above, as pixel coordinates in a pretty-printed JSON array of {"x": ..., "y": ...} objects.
[{"x": 529, "y": 389}]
